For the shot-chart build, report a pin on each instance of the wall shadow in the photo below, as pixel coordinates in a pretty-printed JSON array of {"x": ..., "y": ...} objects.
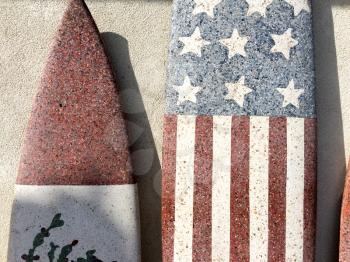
[
  {"x": 145, "y": 160},
  {"x": 331, "y": 154},
  {"x": 340, "y": 2}
]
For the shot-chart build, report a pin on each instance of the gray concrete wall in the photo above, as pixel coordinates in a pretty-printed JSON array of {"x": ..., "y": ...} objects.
[{"x": 136, "y": 33}]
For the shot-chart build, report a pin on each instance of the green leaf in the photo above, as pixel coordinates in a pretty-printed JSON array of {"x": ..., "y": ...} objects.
[
  {"x": 51, "y": 253},
  {"x": 38, "y": 240},
  {"x": 65, "y": 251},
  {"x": 90, "y": 252},
  {"x": 57, "y": 221}
]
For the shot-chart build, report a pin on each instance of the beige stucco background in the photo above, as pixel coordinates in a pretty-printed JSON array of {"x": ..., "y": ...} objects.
[{"x": 136, "y": 33}]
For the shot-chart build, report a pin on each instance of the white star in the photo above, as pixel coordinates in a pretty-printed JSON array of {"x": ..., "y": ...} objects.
[
  {"x": 299, "y": 5},
  {"x": 291, "y": 94},
  {"x": 283, "y": 43},
  {"x": 235, "y": 44},
  {"x": 187, "y": 92},
  {"x": 237, "y": 91},
  {"x": 193, "y": 43},
  {"x": 258, "y": 6},
  {"x": 205, "y": 6}
]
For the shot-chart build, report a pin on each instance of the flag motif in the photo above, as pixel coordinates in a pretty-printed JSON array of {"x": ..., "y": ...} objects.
[
  {"x": 239, "y": 180},
  {"x": 238, "y": 188}
]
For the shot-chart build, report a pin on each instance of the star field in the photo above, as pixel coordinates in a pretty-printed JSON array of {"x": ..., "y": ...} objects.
[{"x": 242, "y": 57}]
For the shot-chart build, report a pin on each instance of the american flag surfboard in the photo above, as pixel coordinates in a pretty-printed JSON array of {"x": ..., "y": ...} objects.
[{"x": 239, "y": 154}]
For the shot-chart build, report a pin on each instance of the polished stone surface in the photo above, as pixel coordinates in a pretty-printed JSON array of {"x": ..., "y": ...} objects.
[
  {"x": 28, "y": 28},
  {"x": 75, "y": 169},
  {"x": 239, "y": 159},
  {"x": 344, "y": 246},
  {"x": 76, "y": 133},
  {"x": 269, "y": 46}
]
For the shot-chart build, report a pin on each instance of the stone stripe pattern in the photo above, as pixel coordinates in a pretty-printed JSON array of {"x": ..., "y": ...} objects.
[
  {"x": 239, "y": 177},
  {"x": 239, "y": 188}
]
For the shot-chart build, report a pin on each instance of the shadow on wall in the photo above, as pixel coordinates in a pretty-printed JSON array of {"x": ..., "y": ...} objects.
[
  {"x": 331, "y": 154},
  {"x": 145, "y": 160},
  {"x": 340, "y": 2}
]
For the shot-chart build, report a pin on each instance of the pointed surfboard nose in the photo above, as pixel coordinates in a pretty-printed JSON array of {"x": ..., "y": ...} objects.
[
  {"x": 76, "y": 133},
  {"x": 75, "y": 195}
]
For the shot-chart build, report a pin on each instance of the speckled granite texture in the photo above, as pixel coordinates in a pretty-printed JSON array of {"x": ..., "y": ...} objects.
[
  {"x": 211, "y": 65},
  {"x": 239, "y": 163},
  {"x": 75, "y": 196},
  {"x": 76, "y": 133},
  {"x": 27, "y": 29},
  {"x": 344, "y": 247}
]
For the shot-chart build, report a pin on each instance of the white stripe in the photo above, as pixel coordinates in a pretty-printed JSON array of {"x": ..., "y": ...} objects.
[
  {"x": 221, "y": 188},
  {"x": 184, "y": 188},
  {"x": 104, "y": 218},
  {"x": 258, "y": 188},
  {"x": 295, "y": 190}
]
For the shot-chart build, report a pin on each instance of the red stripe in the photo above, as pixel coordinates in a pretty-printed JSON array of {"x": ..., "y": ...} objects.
[
  {"x": 240, "y": 190},
  {"x": 277, "y": 188},
  {"x": 202, "y": 189},
  {"x": 310, "y": 190},
  {"x": 168, "y": 187},
  {"x": 344, "y": 245}
]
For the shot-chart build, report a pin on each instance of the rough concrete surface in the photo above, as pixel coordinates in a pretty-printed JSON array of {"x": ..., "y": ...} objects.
[{"x": 136, "y": 34}]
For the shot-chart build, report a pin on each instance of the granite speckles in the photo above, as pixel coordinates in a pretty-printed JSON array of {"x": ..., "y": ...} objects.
[
  {"x": 290, "y": 94},
  {"x": 168, "y": 187},
  {"x": 266, "y": 64},
  {"x": 284, "y": 43},
  {"x": 75, "y": 163},
  {"x": 235, "y": 44},
  {"x": 250, "y": 179},
  {"x": 310, "y": 193},
  {"x": 204, "y": 6},
  {"x": 277, "y": 185},
  {"x": 187, "y": 92},
  {"x": 299, "y": 5},
  {"x": 76, "y": 133},
  {"x": 247, "y": 169},
  {"x": 202, "y": 192},
  {"x": 237, "y": 91},
  {"x": 194, "y": 43},
  {"x": 344, "y": 248},
  {"x": 258, "y": 6}
]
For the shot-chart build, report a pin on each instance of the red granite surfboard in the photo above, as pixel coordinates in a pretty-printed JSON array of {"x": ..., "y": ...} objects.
[
  {"x": 344, "y": 248},
  {"x": 75, "y": 196}
]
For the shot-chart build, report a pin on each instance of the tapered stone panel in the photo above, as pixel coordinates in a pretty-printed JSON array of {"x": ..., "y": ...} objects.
[
  {"x": 239, "y": 163},
  {"x": 75, "y": 195},
  {"x": 76, "y": 134}
]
